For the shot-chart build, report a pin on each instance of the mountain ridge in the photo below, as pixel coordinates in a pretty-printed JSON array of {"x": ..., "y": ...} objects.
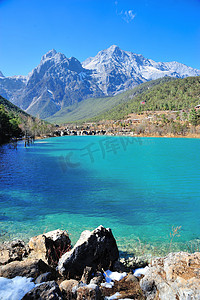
[
  {"x": 59, "y": 82},
  {"x": 91, "y": 108}
]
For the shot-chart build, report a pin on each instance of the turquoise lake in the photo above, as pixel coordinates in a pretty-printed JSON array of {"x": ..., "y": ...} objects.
[{"x": 139, "y": 187}]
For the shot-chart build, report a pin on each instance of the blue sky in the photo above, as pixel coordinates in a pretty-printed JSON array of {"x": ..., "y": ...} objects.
[{"x": 160, "y": 30}]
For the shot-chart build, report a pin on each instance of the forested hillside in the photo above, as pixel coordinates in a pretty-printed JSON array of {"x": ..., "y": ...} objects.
[
  {"x": 15, "y": 123},
  {"x": 92, "y": 107},
  {"x": 172, "y": 95}
]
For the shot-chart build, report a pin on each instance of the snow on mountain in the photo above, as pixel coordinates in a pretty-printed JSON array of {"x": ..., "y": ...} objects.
[
  {"x": 59, "y": 82},
  {"x": 117, "y": 70},
  {"x": 56, "y": 82}
]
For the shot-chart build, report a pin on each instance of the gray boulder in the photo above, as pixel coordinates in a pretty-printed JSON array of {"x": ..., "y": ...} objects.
[{"x": 96, "y": 249}]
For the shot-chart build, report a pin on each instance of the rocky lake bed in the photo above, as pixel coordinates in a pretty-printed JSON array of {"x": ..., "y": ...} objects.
[{"x": 49, "y": 267}]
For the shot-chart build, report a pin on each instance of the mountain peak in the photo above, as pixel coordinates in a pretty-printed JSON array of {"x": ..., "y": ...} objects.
[
  {"x": 49, "y": 55},
  {"x": 113, "y": 48}
]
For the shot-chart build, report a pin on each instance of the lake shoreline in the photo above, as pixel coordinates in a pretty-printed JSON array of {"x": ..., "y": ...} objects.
[
  {"x": 37, "y": 138},
  {"x": 190, "y": 136},
  {"x": 92, "y": 269}
]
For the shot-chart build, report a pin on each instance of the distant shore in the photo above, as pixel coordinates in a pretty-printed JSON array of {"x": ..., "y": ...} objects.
[{"x": 192, "y": 136}]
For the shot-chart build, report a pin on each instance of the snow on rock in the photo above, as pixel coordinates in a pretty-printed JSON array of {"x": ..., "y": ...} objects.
[
  {"x": 15, "y": 288},
  {"x": 108, "y": 285},
  {"x": 82, "y": 75},
  {"x": 140, "y": 271},
  {"x": 115, "y": 296},
  {"x": 109, "y": 276}
]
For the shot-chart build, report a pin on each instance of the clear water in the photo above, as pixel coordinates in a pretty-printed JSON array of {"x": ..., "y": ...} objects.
[{"x": 139, "y": 187}]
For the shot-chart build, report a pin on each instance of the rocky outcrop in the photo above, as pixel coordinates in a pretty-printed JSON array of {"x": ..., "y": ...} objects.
[
  {"x": 45, "y": 291},
  {"x": 26, "y": 268},
  {"x": 174, "y": 277},
  {"x": 50, "y": 246},
  {"x": 96, "y": 249},
  {"x": 12, "y": 251}
]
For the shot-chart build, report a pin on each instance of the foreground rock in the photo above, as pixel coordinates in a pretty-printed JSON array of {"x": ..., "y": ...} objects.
[
  {"x": 45, "y": 291},
  {"x": 68, "y": 288},
  {"x": 174, "y": 277},
  {"x": 96, "y": 249},
  {"x": 50, "y": 246},
  {"x": 89, "y": 292},
  {"x": 126, "y": 288},
  {"x": 91, "y": 262},
  {"x": 26, "y": 268},
  {"x": 12, "y": 251}
]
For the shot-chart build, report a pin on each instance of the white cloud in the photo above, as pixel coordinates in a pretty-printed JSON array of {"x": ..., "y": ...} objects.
[{"x": 127, "y": 15}]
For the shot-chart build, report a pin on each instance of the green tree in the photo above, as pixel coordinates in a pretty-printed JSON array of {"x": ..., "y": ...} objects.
[
  {"x": 193, "y": 117},
  {"x": 9, "y": 125}
]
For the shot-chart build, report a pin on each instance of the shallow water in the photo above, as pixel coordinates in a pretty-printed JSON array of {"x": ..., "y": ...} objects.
[{"x": 140, "y": 187}]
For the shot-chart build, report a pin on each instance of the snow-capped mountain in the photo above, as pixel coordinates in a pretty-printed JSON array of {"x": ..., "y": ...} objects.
[
  {"x": 59, "y": 82},
  {"x": 11, "y": 86},
  {"x": 116, "y": 70},
  {"x": 55, "y": 83}
]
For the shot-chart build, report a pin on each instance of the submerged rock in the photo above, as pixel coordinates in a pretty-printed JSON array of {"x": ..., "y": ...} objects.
[
  {"x": 96, "y": 249},
  {"x": 176, "y": 276},
  {"x": 50, "y": 246}
]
